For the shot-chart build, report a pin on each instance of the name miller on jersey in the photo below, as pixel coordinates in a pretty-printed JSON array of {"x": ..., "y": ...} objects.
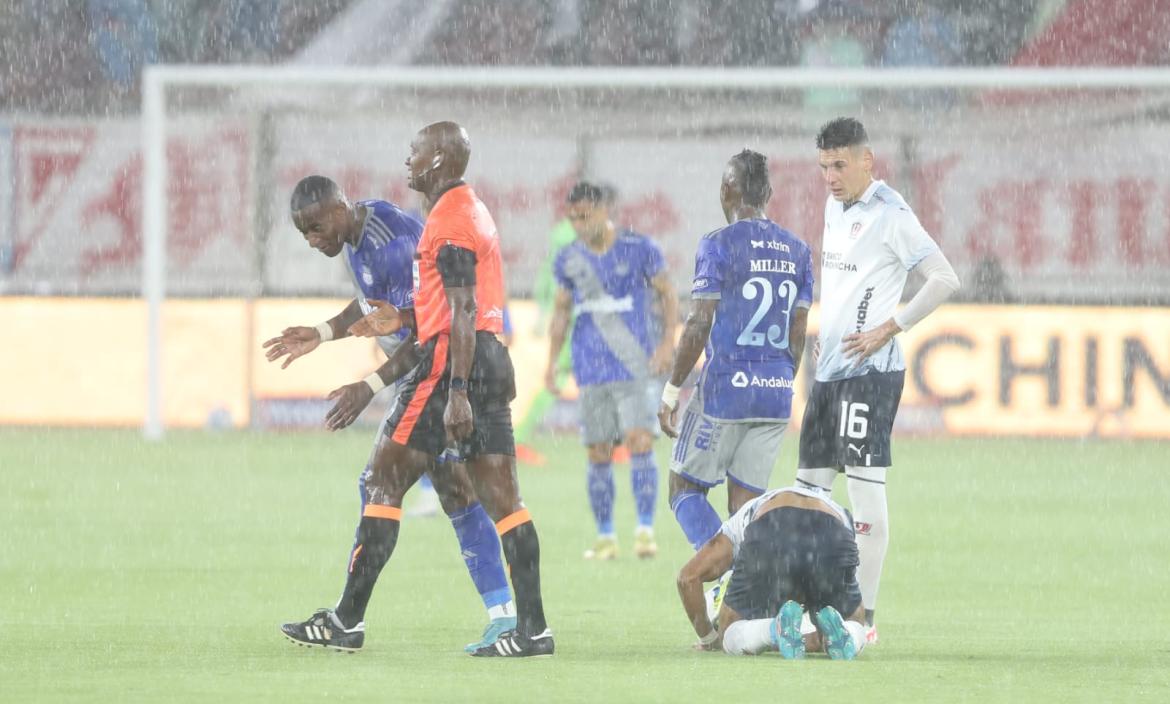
[{"x": 773, "y": 266}]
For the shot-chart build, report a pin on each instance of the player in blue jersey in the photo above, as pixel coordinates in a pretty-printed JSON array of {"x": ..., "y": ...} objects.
[
  {"x": 611, "y": 280},
  {"x": 752, "y": 289},
  {"x": 379, "y": 241}
]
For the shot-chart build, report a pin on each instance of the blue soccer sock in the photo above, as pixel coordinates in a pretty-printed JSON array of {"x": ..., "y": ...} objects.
[
  {"x": 644, "y": 480},
  {"x": 697, "y": 517},
  {"x": 601, "y": 494},
  {"x": 480, "y": 546}
]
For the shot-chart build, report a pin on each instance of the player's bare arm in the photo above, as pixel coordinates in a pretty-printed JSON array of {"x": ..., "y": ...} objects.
[
  {"x": 711, "y": 561},
  {"x": 668, "y": 300},
  {"x": 384, "y": 319},
  {"x": 941, "y": 283},
  {"x": 296, "y": 342},
  {"x": 457, "y": 417},
  {"x": 797, "y": 329},
  {"x": 557, "y": 331},
  {"x": 353, "y": 398},
  {"x": 694, "y": 338}
]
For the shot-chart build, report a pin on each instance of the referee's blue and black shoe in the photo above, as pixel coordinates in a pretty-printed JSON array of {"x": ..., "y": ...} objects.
[
  {"x": 325, "y": 630},
  {"x": 514, "y": 644}
]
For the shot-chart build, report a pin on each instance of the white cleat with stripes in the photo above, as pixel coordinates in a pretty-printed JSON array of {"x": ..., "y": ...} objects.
[
  {"x": 514, "y": 644},
  {"x": 323, "y": 629}
]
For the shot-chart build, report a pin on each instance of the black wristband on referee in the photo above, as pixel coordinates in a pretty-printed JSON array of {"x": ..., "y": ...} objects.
[{"x": 456, "y": 265}]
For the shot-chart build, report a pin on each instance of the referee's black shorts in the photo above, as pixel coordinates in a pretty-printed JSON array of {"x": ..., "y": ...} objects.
[
  {"x": 417, "y": 420},
  {"x": 801, "y": 554}
]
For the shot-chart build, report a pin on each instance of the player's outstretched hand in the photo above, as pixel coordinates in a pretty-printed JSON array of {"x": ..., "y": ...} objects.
[
  {"x": 667, "y": 420},
  {"x": 293, "y": 343},
  {"x": 385, "y": 319},
  {"x": 858, "y": 346},
  {"x": 457, "y": 417},
  {"x": 351, "y": 399}
]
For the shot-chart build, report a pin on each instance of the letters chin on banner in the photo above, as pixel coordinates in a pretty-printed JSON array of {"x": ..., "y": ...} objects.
[
  {"x": 1047, "y": 371},
  {"x": 972, "y": 370}
]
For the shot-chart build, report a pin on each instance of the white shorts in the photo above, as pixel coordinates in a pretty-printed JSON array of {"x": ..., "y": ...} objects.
[{"x": 709, "y": 450}]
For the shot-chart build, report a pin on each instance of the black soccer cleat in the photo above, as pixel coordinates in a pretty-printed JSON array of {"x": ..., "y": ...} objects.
[
  {"x": 325, "y": 630},
  {"x": 514, "y": 644}
]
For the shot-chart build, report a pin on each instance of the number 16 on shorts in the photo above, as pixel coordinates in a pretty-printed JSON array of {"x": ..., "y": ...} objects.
[{"x": 854, "y": 425}]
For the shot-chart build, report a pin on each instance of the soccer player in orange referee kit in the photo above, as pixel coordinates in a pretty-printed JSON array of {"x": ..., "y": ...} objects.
[{"x": 455, "y": 403}]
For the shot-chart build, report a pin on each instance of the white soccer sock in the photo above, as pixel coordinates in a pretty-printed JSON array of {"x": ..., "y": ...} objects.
[
  {"x": 748, "y": 637},
  {"x": 857, "y": 633},
  {"x": 818, "y": 477},
  {"x": 867, "y": 494}
]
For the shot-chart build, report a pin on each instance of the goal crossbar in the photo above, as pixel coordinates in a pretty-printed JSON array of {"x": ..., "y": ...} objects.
[{"x": 157, "y": 79}]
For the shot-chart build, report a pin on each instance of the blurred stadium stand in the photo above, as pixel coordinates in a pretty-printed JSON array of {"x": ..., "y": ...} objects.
[{"x": 90, "y": 65}]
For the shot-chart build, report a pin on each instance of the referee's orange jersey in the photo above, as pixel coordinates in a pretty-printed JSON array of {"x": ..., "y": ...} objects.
[{"x": 460, "y": 219}]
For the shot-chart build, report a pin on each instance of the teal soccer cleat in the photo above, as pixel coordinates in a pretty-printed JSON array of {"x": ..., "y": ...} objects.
[
  {"x": 492, "y": 633},
  {"x": 785, "y": 631},
  {"x": 838, "y": 643}
]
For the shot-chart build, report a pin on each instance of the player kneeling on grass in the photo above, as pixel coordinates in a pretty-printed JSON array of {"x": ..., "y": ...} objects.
[{"x": 790, "y": 550}]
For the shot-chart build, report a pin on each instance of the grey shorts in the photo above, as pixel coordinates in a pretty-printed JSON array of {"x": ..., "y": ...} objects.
[
  {"x": 709, "y": 450},
  {"x": 610, "y": 411}
]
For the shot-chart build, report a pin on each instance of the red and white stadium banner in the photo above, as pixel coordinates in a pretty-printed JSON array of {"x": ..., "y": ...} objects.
[
  {"x": 1078, "y": 216},
  {"x": 76, "y": 208}
]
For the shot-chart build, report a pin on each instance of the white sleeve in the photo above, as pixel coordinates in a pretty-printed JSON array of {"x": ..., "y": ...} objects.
[
  {"x": 908, "y": 239},
  {"x": 941, "y": 283}
]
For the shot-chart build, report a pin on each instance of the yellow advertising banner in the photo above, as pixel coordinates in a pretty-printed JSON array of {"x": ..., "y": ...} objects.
[{"x": 971, "y": 370}]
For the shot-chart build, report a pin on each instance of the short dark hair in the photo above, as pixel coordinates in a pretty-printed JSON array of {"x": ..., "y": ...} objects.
[
  {"x": 841, "y": 132},
  {"x": 751, "y": 169},
  {"x": 586, "y": 191},
  {"x": 314, "y": 189}
]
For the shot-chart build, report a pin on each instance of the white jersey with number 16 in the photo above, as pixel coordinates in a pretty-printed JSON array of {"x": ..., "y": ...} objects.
[{"x": 867, "y": 252}]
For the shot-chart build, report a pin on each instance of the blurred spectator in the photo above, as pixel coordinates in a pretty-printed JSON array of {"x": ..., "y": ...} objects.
[
  {"x": 832, "y": 41},
  {"x": 746, "y": 33},
  {"x": 992, "y": 30},
  {"x": 508, "y": 34},
  {"x": 925, "y": 36},
  {"x": 124, "y": 34},
  {"x": 46, "y": 67},
  {"x": 625, "y": 32}
]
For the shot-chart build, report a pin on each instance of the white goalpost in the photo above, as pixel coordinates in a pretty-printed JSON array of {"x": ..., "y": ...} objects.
[{"x": 650, "y": 130}]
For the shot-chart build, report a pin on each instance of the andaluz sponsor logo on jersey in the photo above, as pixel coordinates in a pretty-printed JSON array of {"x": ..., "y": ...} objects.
[{"x": 741, "y": 381}]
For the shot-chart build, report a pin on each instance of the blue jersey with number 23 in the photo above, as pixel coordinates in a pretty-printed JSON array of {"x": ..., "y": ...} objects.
[{"x": 760, "y": 273}]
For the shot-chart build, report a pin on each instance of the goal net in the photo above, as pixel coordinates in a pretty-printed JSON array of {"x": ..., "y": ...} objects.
[{"x": 1041, "y": 185}]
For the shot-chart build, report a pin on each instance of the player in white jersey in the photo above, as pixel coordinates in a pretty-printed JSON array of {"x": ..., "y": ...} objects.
[
  {"x": 872, "y": 240},
  {"x": 792, "y": 549}
]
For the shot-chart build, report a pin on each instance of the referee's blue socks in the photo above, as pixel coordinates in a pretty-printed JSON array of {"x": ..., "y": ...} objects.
[{"x": 480, "y": 547}]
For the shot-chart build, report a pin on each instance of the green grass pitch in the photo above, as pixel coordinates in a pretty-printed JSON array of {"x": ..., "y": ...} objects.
[{"x": 1018, "y": 571}]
